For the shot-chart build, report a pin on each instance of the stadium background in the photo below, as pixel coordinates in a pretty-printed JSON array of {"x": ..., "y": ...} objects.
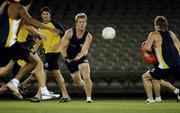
[{"x": 116, "y": 65}]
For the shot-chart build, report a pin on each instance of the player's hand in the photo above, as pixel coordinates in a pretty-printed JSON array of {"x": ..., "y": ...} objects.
[
  {"x": 55, "y": 47},
  {"x": 143, "y": 44},
  {"x": 43, "y": 36},
  {"x": 76, "y": 58},
  {"x": 54, "y": 30}
]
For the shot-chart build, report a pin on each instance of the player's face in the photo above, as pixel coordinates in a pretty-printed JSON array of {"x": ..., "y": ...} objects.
[
  {"x": 46, "y": 16},
  {"x": 81, "y": 23}
]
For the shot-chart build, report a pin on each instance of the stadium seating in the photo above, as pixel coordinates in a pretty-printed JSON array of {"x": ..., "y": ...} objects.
[{"x": 116, "y": 64}]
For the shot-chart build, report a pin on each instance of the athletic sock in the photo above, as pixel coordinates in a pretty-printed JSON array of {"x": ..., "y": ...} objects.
[
  {"x": 88, "y": 98},
  {"x": 44, "y": 90},
  {"x": 176, "y": 91},
  {"x": 15, "y": 82},
  {"x": 158, "y": 98}
]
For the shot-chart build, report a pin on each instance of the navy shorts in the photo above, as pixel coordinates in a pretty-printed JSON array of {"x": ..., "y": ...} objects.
[
  {"x": 18, "y": 51},
  {"x": 73, "y": 65},
  {"x": 158, "y": 73},
  {"x": 4, "y": 57},
  {"x": 51, "y": 61}
]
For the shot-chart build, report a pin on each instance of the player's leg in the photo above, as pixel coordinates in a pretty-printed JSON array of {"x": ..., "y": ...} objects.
[
  {"x": 61, "y": 84},
  {"x": 7, "y": 69},
  {"x": 40, "y": 76},
  {"x": 77, "y": 80},
  {"x": 157, "y": 90},
  {"x": 148, "y": 87},
  {"x": 170, "y": 86},
  {"x": 84, "y": 69},
  {"x": 3, "y": 89},
  {"x": 17, "y": 51}
]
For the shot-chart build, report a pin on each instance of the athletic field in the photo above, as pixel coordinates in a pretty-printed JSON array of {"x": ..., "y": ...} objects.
[{"x": 79, "y": 106}]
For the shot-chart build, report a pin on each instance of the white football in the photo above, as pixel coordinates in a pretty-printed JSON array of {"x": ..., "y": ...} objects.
[{"x": 108, "y": 33}]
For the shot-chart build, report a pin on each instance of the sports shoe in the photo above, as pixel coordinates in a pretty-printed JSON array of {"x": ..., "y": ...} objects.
[
  {"x": 178, "y": 97},
  {"x": 46, "y": 96},
  {"x": 35, "y": 99},
  {"x": 54, "y": 95},
  {"x": 89, "y": 101},
  {"x": 64, "y": 99},
  {"x": 148, "y": 101},
  {"x": 51, "y": 95},
  {"x": 158, "y": 100},
  {"x": 14, "y": 90}
]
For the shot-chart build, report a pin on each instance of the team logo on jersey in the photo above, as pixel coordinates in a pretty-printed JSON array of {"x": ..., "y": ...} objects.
[
  {"x": 73, "y": 45},
  {"x": 46, "y": 64},
  {"x": 81, "y": 45}
]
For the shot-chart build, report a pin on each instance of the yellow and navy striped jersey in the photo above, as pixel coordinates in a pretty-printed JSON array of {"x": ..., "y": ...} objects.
[
  {"x": 8, "y": 29},
  {"x": 167, "y": 54},
  {"x": 53, "y": 38}
]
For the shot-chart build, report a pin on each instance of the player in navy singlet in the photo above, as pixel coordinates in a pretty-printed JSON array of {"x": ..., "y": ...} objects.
[
  {"x": 75, "y": 45},
  {"x": 166, "y": 46}
]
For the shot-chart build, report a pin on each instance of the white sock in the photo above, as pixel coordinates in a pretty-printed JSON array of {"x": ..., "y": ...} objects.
[
  {"x": 158, "y": 98},
  {"x": 15, "y": 82},
  {"x": 88, "y": 98},
  {"x": 176, "y": 91},
  {"x": 44, "y": 90}
]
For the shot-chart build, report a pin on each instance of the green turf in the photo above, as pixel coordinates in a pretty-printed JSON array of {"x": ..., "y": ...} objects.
[{"x": 79, "y": 106}]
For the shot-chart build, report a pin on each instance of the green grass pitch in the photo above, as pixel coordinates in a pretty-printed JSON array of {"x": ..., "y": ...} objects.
[{"x": 80, "y": 106}]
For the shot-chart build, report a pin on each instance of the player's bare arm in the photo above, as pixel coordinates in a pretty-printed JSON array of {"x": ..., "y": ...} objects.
[
  {"x": 85, "y": 47},
  {"x": 150, "y": 41},
  {"x": 35, "y": 33},
  {"x": 175, "y": 40},
  {"x": 65, "y": 42},
  {"x": 3, "y": 6}
]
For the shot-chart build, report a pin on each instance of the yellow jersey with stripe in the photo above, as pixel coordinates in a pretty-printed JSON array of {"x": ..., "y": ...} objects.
[
  {"x": 167, "y": 54},
  {"x": 53, "y": 38},
  {"x": 8, "y": 29}
]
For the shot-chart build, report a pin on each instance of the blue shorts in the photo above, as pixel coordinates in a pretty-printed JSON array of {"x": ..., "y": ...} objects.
[
  {"x": 51, "y": 61},
  {"x": 73, "y": 65},
  {"x": 16, "y": 52},
  {"x": 158, "y": 73}
]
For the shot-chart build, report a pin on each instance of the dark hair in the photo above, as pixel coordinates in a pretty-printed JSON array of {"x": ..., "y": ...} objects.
[
  {"x": 45, "y": 9},
  {"x": 25, "y": 2},
  {"x": 162, "y": 22}
]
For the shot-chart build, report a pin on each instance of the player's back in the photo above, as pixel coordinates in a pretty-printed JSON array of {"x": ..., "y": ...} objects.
[{"x": 167, "y": 53}]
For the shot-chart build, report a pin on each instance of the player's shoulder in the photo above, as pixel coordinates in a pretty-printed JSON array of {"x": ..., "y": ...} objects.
[
  {"x": 89, "y": 35},
  {"x": 69, "y": 32},
  {"x": 154, "y": 33},
  {"x": 172, "y": 33}
]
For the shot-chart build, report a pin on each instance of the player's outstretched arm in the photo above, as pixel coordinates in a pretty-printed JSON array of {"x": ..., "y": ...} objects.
[
  {"x": 65, "y": 42},
  {"x": 85, "y": 47}
]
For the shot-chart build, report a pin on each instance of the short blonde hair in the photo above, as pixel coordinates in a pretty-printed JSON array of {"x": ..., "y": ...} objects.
[{"x": 81, "y": 15}]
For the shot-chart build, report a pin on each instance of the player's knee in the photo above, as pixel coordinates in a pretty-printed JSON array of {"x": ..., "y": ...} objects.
[
  {"x": 40, "y": 64},
  {"x": 144, "y": 76},
  {"x": 78, "y": 83}
]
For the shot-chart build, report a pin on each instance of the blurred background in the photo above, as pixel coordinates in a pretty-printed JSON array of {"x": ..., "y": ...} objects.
[{"x": 116, "y": 65}]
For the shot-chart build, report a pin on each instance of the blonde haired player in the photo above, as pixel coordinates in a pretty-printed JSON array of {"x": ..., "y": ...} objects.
[{"x": 75, "y": 45}]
